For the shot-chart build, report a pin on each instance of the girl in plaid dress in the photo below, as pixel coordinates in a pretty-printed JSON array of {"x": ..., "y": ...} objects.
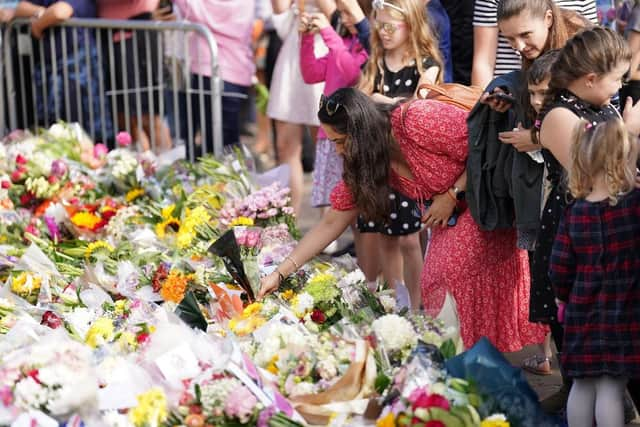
[{"x": 595, "y": 271}]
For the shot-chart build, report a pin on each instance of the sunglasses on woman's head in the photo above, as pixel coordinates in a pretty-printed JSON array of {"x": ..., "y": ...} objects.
[
  {"x": 388, "y": 27},
  {"x": 330, "y": 105}
]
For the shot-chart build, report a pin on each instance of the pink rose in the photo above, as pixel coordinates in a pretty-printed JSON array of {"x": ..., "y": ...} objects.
[
  {"x": 59, "y": 168},
  {"x": 100, "y": 150},
  {"x": 252, "y": 238},
  {"x": 240, "y": 404},
  {"x": 123, "y": 139},
  {"x": 20, "y": 159}
]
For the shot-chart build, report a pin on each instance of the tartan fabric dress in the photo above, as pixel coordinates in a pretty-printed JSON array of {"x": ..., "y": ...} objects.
[{"x": 595, "y": 268}]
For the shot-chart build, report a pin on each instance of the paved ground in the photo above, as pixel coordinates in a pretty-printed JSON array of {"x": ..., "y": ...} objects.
[{"x": 543, "y": 385}]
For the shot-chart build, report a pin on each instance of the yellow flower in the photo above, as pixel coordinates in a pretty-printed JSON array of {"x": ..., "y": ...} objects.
[
  {"x": 100, "y": 332},
  {"x": 134, "y": 194},
  {"x": 496, "y": 420},
  {"x": 120, "y": 307},
  {"x": 98, "y": 245},
  {"x": 271, "y": 367},
  {"x": 167, "y": 211},
  {"x": 85, "y": 220},
  {"x": 170, "y": 223},
  {"x": 252, "y": 309},
  {"x": 242, "y": 220},
  {"x": 26, "y": 285},
  {"x": 127, "y": 341},
  {"x": 151, "y": 409},
  {"x": 387, "y": 421},
  {"x": 288, "y": 294}
]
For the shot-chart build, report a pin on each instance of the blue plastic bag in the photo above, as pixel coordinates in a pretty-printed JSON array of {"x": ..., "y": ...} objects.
[{"x": 504, "y": 388}]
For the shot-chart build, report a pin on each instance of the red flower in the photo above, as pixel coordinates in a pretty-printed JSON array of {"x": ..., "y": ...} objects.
[
  {"x": 52, "y": 320},
  {"x": 318, "y": 316},
  {"x": 421, "y": 399},
  {"x": 435, "y": 423},
  {"x": 21, "y": 160},
  {"x": 34, "y": 374},
  {"x": 195, "y": 409},
  {"x": 142, "y": 338},
  {"x": 16, "y": 176},
  {"x": 6, "y": 184},
  {"x": 52, "y": 179},
  {"x": 108, "y": 214},
  {"x": 26, "y": 198}
]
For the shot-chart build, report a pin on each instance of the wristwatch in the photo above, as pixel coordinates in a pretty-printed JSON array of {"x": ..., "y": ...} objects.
[{"x": 457, "y": 192}]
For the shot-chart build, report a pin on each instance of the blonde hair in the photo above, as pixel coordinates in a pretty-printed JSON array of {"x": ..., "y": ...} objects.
[
  {"x": 604, "y": 148},
  {"x": 421, "y": 43}
]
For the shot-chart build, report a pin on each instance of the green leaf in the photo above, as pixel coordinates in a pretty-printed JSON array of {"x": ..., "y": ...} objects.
[
  {"x": 448, "y": 349},
  {"x": 382, "y": 383},
  {"x": 189, "y": 311}
]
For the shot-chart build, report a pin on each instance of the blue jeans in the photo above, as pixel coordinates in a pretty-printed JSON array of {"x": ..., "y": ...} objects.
[{"x": 230, "y": 114}]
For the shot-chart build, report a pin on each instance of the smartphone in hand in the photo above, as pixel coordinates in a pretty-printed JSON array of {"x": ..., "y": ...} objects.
[{"x": 501, "y": 96}]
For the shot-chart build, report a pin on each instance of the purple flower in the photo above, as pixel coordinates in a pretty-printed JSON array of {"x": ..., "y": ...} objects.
[
  {"x": 265, "y": 416},
  {"x": 59, "y": 168},
  {"x": 54, "y": 231}
]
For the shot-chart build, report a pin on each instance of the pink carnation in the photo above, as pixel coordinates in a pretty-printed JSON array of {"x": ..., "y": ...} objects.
[
  {"x": 123, "y": 139},
  {"x": 240, "y": 404},
  {"x": 100, "y": 150}
]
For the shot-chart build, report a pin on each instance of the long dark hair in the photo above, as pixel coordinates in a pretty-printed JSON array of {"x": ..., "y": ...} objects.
[{"x": 368, "y": 149}]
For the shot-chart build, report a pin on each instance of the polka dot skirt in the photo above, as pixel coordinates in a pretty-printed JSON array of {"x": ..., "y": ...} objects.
[{"x": 404, "y": 218}]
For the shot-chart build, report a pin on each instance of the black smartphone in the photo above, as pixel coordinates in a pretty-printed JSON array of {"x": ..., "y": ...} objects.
[
  {"x": 501, "y": 96},
  {"x": 453, "y": 219}
]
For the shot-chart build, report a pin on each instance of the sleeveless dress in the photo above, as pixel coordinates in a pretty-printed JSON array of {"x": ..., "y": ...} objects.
[
  {"x": 291, "y": 100},
  {"x": 543, "y": 307}
]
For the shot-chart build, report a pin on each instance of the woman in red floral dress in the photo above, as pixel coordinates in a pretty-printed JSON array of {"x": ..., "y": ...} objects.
[{"x": 420, "y": 149}]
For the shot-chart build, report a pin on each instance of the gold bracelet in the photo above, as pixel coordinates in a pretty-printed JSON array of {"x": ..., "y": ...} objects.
[{"x": 295, "y": 264}]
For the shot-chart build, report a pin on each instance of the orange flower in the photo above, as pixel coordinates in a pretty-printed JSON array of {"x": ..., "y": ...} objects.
[{"x": 175, "y": 286}]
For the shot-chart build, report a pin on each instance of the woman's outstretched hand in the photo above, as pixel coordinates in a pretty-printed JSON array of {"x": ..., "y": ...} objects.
[{"x": 269, "y": 284}]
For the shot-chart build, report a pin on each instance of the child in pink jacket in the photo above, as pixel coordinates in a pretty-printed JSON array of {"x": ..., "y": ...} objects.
[{"x": 339, "y": 68}]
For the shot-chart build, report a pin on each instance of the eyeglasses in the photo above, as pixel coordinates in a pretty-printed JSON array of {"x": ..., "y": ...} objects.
[
  {"x": 330, "y": 105},
  {"x": 388, "y": 27}
]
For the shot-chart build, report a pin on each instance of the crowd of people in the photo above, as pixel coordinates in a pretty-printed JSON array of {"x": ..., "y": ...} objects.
[{"x": 524, "y": 210}]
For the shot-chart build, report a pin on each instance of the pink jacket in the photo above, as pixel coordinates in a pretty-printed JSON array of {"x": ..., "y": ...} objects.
[
  {"x": 231, "y": 23},
  {"x": 339, "y": 68}
]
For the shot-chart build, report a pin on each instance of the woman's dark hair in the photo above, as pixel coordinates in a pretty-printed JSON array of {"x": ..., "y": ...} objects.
[
  {"x": 367, "y": 149},
  {"x": 565, "y": 22}
]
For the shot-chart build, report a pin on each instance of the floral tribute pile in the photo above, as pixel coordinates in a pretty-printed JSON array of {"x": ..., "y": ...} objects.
[{"x": 126, "y": 301}]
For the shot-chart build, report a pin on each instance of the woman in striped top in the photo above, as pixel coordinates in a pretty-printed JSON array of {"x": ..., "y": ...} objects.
[{"x": 492, "y": 55}]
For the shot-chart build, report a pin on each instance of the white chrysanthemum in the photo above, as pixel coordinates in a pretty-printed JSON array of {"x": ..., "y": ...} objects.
[
  {"x": 28, "y": 394},
  {"x": 327, "y": 368},
  {"x": 395, "y": 332},
  {"x": 60, "y": 131},
  {"x": 355, "y": 277},
  {"x": 280, "y": 336},
  {"x": 302, "y": 388},
  {"x": 388, "y": 303},
  {"x": 215, "y": 393},
  {"x": 302, "y": 303}
]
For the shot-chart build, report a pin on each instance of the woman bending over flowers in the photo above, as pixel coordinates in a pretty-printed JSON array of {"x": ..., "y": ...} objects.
[{"x": 420, "y": 149}]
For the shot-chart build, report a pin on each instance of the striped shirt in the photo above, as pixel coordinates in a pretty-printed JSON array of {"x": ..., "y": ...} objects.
[{"x": 507, "y": 59}]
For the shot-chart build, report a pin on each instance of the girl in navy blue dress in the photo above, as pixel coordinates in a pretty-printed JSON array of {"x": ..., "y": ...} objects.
[{"x": 595, "y": 272}]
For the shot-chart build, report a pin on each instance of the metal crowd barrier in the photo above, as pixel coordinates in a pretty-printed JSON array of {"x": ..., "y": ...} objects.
[{"x": 115, "y": 75}]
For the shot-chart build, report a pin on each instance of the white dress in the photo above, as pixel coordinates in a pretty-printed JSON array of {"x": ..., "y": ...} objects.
[{"x": 291, "y": 100}]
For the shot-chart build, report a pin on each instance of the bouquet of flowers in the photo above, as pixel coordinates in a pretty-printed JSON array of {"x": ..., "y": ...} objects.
[
  {"x": 54, "y": 376},
  {"x": 267, "y": 206}
]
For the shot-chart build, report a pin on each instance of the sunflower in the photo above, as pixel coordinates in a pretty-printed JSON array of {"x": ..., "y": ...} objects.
[
  {"x": 98, "y": 247},
  {"x": 172, "y": 223},
  {"x": 134, "y": 194}
]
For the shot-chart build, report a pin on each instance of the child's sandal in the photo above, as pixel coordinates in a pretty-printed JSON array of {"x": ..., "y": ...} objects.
[{"x": 532, "y": 365}]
